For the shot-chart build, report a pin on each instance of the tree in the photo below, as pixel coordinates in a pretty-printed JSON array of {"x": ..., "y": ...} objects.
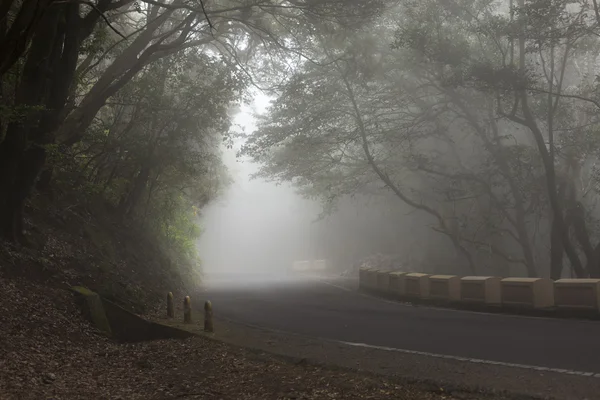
[
  {"x": 536, "y": 47},
  {"x": 55, "y": 33},
  {"x": 365, "y": 114},
  {"x": 152, "y": 152},
  {"x": 61, "y": 112}
]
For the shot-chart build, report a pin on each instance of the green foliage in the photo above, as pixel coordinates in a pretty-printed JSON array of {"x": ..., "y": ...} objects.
[
  {"x": 430, "y": 120},
  {"x": 152, "y": 154}
]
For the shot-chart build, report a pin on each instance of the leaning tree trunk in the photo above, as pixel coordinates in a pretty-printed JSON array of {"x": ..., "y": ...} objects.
[
  {"x": 557, "y": 250},
  {"x": 19, "y": 158},
  {"x": 47, "y": 76},
  {"x": 139, "y": 186},
  {"x": 577, "y": 216},
  {"x": 15, "y": 42}
]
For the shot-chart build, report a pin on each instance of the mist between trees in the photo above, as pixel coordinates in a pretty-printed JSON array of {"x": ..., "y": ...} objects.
[
  {"x": 469, "y": 126},
  {"x": 480, "y": 115},
  {"x": 126, "y": 103}
]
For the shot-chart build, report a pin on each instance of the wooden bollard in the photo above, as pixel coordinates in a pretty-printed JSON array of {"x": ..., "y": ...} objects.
[
  {"x": 187, "y": 310},
  {"x": 208, "y": 317},
  {"x": 170, "y": 309}
]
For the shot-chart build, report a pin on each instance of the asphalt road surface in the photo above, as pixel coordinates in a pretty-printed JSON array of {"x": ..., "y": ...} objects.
[{"x": 308, "y": 307}]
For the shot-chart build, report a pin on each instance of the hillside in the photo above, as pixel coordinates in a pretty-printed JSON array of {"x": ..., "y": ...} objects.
[{"x": 88, "y": 244}]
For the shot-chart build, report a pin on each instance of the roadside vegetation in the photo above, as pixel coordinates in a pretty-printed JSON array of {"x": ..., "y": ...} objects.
[
  {"x": 478, "y": 117},
  {"x": 113, "y": 116}
]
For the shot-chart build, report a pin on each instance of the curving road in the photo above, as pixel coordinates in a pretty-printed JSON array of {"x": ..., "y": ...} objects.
[{"x": 310, "y": 307}]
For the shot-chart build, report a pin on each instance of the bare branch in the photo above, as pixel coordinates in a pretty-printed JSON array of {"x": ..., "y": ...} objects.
[
  {"x": 569, "y": 96},
  {"x": 100, "y": 13}
]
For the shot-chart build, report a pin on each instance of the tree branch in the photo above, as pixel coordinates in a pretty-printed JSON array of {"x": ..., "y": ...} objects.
[{"x": 570, "y": 96}]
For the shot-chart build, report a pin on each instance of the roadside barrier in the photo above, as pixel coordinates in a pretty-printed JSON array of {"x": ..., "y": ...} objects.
[
  {"x": 319, "y": 265},
  {"x": 368, "y": 278},
  {"x": 187, "y": 310},
  {"x": 540, "y": 295},
  {"x": 362, "y": 278},
  {"x": 397, "y": 285},
  {"x": 444, "y": 287},
  {"x": 208, "y": 317},
  {"x": 480, "y": 289},
  {"x": 582, "y": 294},
  {"x": 417, "y": 285},
  {"x": 301, "y": 266},
  {"x": 527, "y": 292},
  {"x": 170, "y": 308},
  {"x": 383, "y": 281},
  {"x": 309, "y": 266}
]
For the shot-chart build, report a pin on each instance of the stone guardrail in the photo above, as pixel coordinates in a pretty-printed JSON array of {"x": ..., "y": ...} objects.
[
  {"x": 527, "y": 292},
  {"x": 506, "y": 293},
  {"x": 444, "y": 287},
  {"x": 309, "y": 266},
  {"x": 417, "y": 285},
  {"x": 480, "y": 289},
  {"x": 577, "y": 293}
]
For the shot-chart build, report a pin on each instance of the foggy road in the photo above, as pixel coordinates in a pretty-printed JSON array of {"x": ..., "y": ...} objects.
[{"x": 309, "y": 307}]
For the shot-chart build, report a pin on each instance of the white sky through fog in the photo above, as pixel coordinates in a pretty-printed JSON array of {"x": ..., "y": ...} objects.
[{"x": 255, "y": 226}]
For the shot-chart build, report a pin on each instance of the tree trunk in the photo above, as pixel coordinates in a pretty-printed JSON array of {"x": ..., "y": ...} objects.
[
  {"x": 139, "y": 185},
  {"x": 20, "y": 160},
  {"x": 577, "y": 216},
  {"x": 16, "y": 40},
  {"x": 556, "y": 251},
  {"x": 46, "y": 80},
  {"x": 43, "y": 183}
]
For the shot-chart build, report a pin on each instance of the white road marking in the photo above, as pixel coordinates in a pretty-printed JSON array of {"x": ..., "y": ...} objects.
[
  {"x": 428, "y": 354},
  {"x": 331, "y": 284},
  {"x": 423, "y": 353},
  {"x": 475, "y": 360}
]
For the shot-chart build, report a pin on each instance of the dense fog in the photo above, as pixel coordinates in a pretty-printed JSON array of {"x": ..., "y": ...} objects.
[
  {"x": 453, "y": 138},
  {"x": 254, "y": 226},
  {"x": 257, "y": 226}
]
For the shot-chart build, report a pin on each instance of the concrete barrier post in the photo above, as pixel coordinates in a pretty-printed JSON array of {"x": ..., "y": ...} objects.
[
  {"x": 170, "y": 309},
  {"x": 444, "y": 287},
  {"x": 94, "y": 307},
  {"x": 362, "y": 277},
  {"x": 383, "y": 281},
  {"x": 187, "y": 310},
  {"x": 208, "y": 317},
  {"x": 480, "y": 289},
  {"x": 371, "y": 278},
  {"x": 301, "y": 266},
  {"x": 417, "y": 285},
  {"x": 397, "y": 285},
  {"x": 320, "y": 265},
  {"x": 528, "y": 292},
  {"x": 583, "y": 294}
]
